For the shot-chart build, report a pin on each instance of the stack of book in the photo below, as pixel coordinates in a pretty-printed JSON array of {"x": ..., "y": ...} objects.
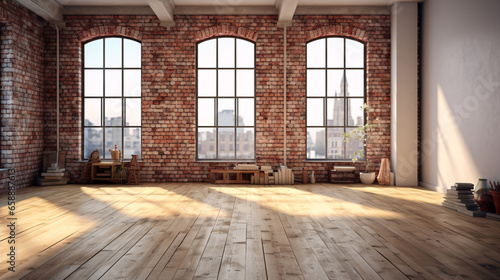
[
  {"x": 284, "y": 176},
  {"x": 460, "y": 197},
  {"x": 53, "y": 176}
]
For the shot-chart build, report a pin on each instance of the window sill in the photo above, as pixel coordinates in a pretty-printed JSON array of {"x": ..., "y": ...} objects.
[
  {"x": 104, "y": 160},
  {"x": 334, "y": 161},
  {"x": 225, "y": 161}
]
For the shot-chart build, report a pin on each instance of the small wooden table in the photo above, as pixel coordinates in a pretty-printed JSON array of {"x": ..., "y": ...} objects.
[
  {"x": 239, "y": 176},
  {"x": 104, "y": 171}
]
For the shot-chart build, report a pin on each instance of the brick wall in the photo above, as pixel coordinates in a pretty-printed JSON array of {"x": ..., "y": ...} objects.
[
  {"x": 169, "y": 84},
  {"x": 22, "y": 82}
]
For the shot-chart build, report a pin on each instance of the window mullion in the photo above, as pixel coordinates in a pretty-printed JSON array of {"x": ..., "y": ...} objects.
[
  {"x": 124, "y": 101},
  {"x": 236, "y": 102},
  {"x": 216, "y": 98}
]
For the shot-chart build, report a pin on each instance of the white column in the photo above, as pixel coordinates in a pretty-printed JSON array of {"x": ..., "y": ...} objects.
[{"x": 404, "y": 122}]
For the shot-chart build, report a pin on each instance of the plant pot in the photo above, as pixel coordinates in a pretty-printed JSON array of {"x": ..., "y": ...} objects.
[
  {"x": 496, "y": 200},
  {"x": 367, "y": 178},
  {"x": 482, "y": 198}
]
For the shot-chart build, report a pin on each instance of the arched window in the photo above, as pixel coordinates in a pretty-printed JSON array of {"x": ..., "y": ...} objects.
[
  {"x": 225, "y": 99},
  {"x": 112, "y": 96},
  {"x": 336, "y": 92}
]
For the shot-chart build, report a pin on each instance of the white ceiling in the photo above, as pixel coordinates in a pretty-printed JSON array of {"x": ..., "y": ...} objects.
[
  {"x": 165, "y": 10},
  {"x": 229, "y": 2}
]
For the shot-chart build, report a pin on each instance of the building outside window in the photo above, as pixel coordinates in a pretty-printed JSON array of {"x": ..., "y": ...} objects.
[
  {"x": 336, "y": 92},
  {"x": 112, "y": 96},
  {"x": 225, "y": 99}
]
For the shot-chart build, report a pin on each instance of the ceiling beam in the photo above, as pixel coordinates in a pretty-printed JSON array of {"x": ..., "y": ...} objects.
[
  {"x": 108, "y": 10},
  {"x": 343, "y": 10},
  {"x": 164, "y": 10},
  {"x": 225, "y": 10},
  {"x": 50, "y": 10},
  {"x": 286, "y": 12}
]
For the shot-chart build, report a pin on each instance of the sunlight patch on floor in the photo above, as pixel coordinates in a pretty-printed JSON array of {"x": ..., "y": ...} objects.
[
  {"x": 34, "y": 235},
  {"x": 292, "y": 201},
  {"x": 153, "y": 202},
  {"x": 405, "y": 193}
]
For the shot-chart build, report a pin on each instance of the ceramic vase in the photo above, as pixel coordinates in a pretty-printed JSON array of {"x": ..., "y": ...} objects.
[{"x": 483, "y": 197}]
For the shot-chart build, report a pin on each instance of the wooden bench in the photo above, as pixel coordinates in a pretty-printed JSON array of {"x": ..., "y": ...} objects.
[
  {"x": 239, "y": 176},
  {"x": 346, "y": 176}
]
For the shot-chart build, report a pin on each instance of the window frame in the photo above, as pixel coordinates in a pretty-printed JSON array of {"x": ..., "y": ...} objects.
[
  {"x": 103, "y": 98},
  {"x": 216, "y": 99},
  {"x": 344, "y": 97}
]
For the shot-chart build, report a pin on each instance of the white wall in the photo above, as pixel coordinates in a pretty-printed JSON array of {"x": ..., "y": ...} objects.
[
  {"x": 404, "y": 96},
  {"x": 460, "y": 92}
]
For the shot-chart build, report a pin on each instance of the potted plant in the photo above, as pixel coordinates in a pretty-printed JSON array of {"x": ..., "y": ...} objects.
[
  {"x": 121, "y": 174},
  {"x": 362, "y": 133},
  {"x": 495, "y": 192}
]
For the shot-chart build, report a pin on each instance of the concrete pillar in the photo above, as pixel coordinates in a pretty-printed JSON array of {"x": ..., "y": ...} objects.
[{"x": 404, "y": 122}]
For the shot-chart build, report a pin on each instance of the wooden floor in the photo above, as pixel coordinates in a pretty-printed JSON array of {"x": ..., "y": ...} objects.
[{"x": 204, "y": 231}]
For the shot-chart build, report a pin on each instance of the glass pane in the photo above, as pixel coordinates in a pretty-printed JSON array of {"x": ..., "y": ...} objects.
[
  {"x": 316, "y": 143},
  {"x": 245, "y": 144},
  {"x": 354, "y": 53},
  {"x": 335, "y": 52},
  {"x": 113, "y": 83},
  {"x": 206, "y": 143},
  {"x": 92, "y": 140},
  {"x": 93, "y": 53},
  {"x": 245, "y": 82},
  {"x": 226, "y": 52},
  {"x": 226, "y": 82},
  {"x": 93, "y": 82},
  {"x": 355, "y": 83},
  {"x": 335, "y": 112},
  {"x": 316, "y": 82},
  {"x": 206, "y": 112},
  {"x": 133, "y": 112},
  {"x": 206, "y": 54},
  {"x": 335, "y": 143},
  {"x": 206, "y": 83},
  {"x": 113, "y": 137},
  {"x": 316, "y": 54},
  {"x": 132, "y": 85},
  {"x": 353, "y": 146},
  {"x": 315, "y": 112},
  {"x": 132, "y": 142},
  {"x": 226, "y": 112},
  {"x": 92, "y": 112},
  {"x": 355, "y": 113},
  {"x": 245, "y": 54},
  {"x": 113, "y": 112},
  {"x": 335, "y": 82},
  {"x": 246, "y": 112},
  {"x": 131, "y": 53},
  {"x": 113, "y": 52},
  {"x": 226, "y": 143}
]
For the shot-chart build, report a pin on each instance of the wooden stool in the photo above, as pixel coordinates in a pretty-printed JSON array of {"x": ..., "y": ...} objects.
[{"x": 134, "y": 172}]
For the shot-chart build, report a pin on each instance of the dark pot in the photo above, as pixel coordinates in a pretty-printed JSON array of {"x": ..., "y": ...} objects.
[
  {"x": 496, "y": 199},
  {"x": 486, "y": 203}
]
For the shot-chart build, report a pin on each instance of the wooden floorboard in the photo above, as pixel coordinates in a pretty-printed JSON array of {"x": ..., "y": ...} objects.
[{"x": 204, "y": 231}]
